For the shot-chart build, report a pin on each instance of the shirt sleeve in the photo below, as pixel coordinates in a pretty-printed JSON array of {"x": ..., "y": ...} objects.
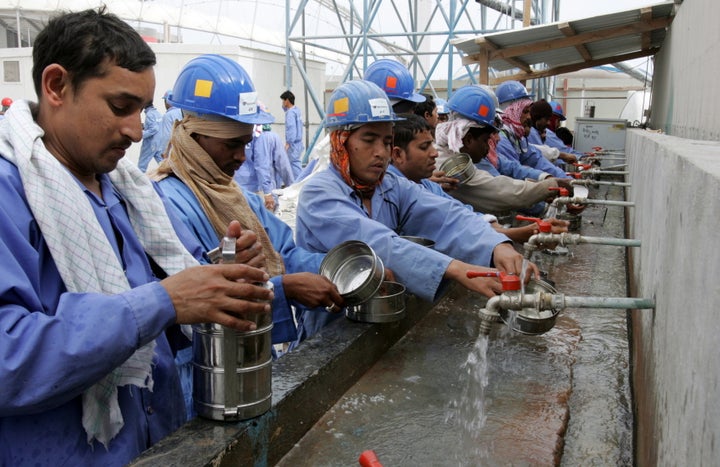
[{"x": 262, "y": 160}]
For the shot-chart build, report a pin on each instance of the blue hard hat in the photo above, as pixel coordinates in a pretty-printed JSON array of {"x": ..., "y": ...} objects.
[
  {"x": 442, "y": 107},
  {"x": 509, "y": 91},
  {"x": 358, "y": 101},
  {"x": 474, "y": 103},
  {"x": 216, "y": 85},
  {"x": 558, "y": 110},
  {"x": 393, "y": 78}
]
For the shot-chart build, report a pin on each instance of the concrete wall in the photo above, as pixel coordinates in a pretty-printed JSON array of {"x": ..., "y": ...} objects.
[
  {"x": 676, "y": 185},
  {"x": 685, "y": 101},
  {"x": 676, "y": 375}
]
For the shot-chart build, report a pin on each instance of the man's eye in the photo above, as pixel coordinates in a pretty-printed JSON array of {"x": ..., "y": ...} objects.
[{"x": 120, "y": 109}]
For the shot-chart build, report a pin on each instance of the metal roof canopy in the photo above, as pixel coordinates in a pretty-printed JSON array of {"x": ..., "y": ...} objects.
[{"x": 562, "y": 47}]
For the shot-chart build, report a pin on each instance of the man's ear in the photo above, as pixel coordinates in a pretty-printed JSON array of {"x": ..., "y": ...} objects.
[
  {"x": 397, "y": 153},
  {"x": 55, "y": 84}
]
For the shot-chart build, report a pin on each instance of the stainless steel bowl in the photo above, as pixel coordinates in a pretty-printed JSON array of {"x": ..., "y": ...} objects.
[
  {"x": 355, "y": 270},
  {"x": 386, "y": 306},
  {"x": 529, "y": 320},
  {"x": 459, "y": 166},
  {"x": 419, "y": 240}
]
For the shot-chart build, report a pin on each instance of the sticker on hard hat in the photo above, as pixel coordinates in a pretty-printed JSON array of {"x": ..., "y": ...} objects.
[
  {"x": 340, "y": 107},
  {"x": 203, "y": 88},
  {"x": 390, "y": 82},
  {"x": 379, "y": 107},
  {"x": 483, "y": 110},
  {"x": 248, "y": 103}
]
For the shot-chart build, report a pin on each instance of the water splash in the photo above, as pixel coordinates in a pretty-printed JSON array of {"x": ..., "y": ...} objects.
[
  {"x": 469, "y": 411},
  {"x": 522, "y": 275}
]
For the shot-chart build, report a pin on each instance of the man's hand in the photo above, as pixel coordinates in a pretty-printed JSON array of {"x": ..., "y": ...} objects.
[
  {"x": 558, "y": 225},
  {"x": 507, "y": 259},
  {"x": 488, "y": 286},
  {"x": 312, "y": 290},
  {"x": 568, "y": 158},
  {"x": 248, "y": 249},
  {"x": 446, "y": 183},
  {"x": 218, "y": 293},
  {"x": 269, "y": 201}
]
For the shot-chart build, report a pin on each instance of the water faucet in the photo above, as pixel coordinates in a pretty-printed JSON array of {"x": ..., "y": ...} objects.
[
  {"x": 510, "y": 285},
  {"x": 535, "y": 312}
]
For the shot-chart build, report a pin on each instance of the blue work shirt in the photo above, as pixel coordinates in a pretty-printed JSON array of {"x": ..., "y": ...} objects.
[
  {"x": 166, "y": 127},
  {"x": 150, "y": 147},
  {"x": 293, "y": 137},
  {"x": 266, "y": 165},
  {"x": 56, "y": 344},
  {"x": 256, "y": 173},
  {"x": 282, "y": 168},
  {"x": 526, "y": 154},
  {"x": 330, "y": 212},
  {"x": 552, "y": 140},
  {"x": 509, "y": 167},
  {"x": 433, "y": 188}
]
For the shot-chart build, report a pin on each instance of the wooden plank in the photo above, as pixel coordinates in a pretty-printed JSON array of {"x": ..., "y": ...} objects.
[
  {"x": 574, "y": 67},
  {"x": 568, "y": 31},
  {"x": 580, "y": 39},
  {"x": 646, "y": 38}
]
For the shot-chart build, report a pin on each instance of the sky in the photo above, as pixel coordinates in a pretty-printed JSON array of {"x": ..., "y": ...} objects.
[{"x": 573, "y": 9}]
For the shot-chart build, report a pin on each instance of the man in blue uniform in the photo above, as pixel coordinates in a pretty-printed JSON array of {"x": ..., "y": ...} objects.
[
  {"x": 293, "y": 132},
  {"x": 207, "y": 147},
  {"x": 150, "y": 148},
  {"x": 88, "y": 375},
  {"x": 266, "y": 167},
  {"x": 356, "y": 198}
]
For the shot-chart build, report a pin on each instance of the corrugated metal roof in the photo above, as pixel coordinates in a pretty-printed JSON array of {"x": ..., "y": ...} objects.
[{"x": 555, "y": 48}]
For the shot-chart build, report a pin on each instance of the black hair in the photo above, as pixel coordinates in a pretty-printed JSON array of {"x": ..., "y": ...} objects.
[
  {"x": 289, "y": 96},
  {"x": 404, "y": 106},
  {"x": 477, "y": 132},
  {"x": 540, "y": 109},
  {"x": 404, "y": 131},
  {"x": 82, "y": 42},
  {"x": 565, "y": 135},
  {"x": 427, "y": 106}
]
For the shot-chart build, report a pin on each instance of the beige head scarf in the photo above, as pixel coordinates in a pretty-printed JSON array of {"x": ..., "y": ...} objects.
[{"x": 219, "y": 195}]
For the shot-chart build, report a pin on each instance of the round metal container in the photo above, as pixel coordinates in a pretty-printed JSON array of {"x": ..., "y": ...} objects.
[
  {"x": 459, "y": 166},
  {"x": 529, "y": 320},
  {"x": 355, "y": 270},
  {"x": 419, "y": 240},
  {"x": 252, "y": 366},
  {"x": 386, "y": 306}
]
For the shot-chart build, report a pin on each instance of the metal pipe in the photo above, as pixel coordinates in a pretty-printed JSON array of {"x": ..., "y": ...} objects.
[
  {"x": 618, "y": 166},
  {"x": 557, "y": 301},
  {"x": 620, "y": 303},
  {"x": 578, "y": 200},
  {"x": 545, "y": 301},
  {"x": 545, "y": 240},
  {"x": 588, "y": 181},
  {"x": 604, "y": 172}
]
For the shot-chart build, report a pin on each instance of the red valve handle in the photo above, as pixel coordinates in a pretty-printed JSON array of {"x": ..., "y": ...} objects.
[
  {"x": 369, "y": 459},
  {"x": 509, "y": 281},
  {"x": 474, "y": 274},
  {"x": 543, "y": 225},
  {"x": 597, "y": 148},
  {"x": 574, "y": 174},
  {"x": 562, "y": 191},
  {"x": 582, "y": 166}
]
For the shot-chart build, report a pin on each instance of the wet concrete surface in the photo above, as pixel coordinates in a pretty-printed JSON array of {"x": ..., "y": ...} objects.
[{"x": 444, "y": 396}]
